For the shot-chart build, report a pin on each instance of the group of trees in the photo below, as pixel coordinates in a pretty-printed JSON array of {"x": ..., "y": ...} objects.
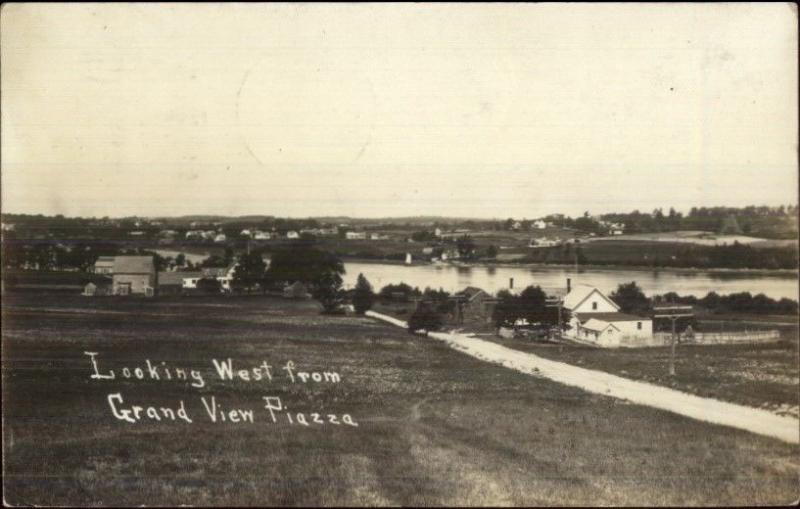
[
  {"x": 423, "y": 236},
  {"x": 399, "y": 292},
  {"x": 466, "y": 247},
  {"x": 739, "y": 256},
  {"x": 770, "y": 222},
  {"x": 762, "y": 221},
  {"x": 319, "y": 270},
  {"x": 741, "y": 302},
  {"x": 658, "y": 254},
  {"x": 50, "y": 256},
  {"x": 631, "y": 299},
  {"x": 44, "y": 255},
  {"x": 530, "y": 305}
]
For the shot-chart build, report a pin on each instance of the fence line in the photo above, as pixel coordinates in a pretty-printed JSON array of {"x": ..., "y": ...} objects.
[{"x": 722, "y": 337}]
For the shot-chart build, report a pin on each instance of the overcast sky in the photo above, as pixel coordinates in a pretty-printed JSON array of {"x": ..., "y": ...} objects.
[{"x": 396, "y": 110}]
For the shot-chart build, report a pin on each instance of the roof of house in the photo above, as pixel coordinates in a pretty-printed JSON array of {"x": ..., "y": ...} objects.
[
  {"x": 597, "y": 325},
  {"x": 133, "y": 265},
  {"x": 104, "y": 261},
  {"x": 609, "y": 317},
  {"x": 176, "y": 278},
  {"x": 471, "y": 292},
  {"x": 580, "y": 293},
  {"x": 219, "y": 271}
]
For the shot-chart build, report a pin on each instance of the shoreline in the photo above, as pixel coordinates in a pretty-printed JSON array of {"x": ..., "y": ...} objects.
[{"x": 780, "y": 273}]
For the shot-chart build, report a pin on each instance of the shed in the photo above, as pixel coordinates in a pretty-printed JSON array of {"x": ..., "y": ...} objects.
[
  {"x": 296, "y": 290},
  {"x": 97, "y": 287}
]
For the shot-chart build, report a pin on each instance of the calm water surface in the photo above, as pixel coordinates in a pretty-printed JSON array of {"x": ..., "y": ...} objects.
[{"x": 492, "y": 279}]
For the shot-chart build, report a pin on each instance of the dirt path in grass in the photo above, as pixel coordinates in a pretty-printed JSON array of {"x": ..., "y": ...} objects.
[{"x": 704, "y": 409}]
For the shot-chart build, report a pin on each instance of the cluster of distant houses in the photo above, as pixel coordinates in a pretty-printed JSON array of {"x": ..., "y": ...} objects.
[
  {"x": 545, "y": 242},
  {"x": 362, "y": 235},
  {"x": 441, "y": 253},
  {"x": 613, "y": 228},
  {"x": 211, "y": 235},
  {"x": 255, "y": 234},
  {"x": 137, "y": 275},
  {"x": 538, "y": 224}
]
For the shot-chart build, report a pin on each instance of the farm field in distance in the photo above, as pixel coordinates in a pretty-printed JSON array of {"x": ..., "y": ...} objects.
[{"x": 435, "y": 427}]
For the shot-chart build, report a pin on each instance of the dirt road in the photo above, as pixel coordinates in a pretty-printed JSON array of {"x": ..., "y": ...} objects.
[{"x": 704, "y": 409}]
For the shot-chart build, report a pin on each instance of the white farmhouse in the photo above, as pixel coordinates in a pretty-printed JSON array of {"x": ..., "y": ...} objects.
[
  {"x": 597, "y": 319},
  {"x": 291, "y": 234},
  {"x": 539, "y": 224},
  {"x": 355, "y": 235}
]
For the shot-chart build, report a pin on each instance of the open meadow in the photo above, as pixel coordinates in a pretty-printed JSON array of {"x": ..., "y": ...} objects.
[
  {"x": 434, "y": 427},
  {"x": 756, "y": 375}
]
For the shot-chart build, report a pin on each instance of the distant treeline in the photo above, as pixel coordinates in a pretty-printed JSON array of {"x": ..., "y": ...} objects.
[
  {"x": 768, "y": 222},
  {"x": 761, "y": 221},
  {"x": 666, "y": 254},
  {"x": 81, "y": 256},
  {"x": 742, "y": 302},
  {"x": 631, "y": 299},
  {"x": 28, "y": 226}
]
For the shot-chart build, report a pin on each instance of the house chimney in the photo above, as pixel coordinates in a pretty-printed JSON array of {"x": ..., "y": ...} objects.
[
  {"x": 569, "y": 285},
  {"x": 511, "y": 282}
]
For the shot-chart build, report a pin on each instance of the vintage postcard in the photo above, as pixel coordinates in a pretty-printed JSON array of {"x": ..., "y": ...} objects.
[{"x": 400, "y": 255}]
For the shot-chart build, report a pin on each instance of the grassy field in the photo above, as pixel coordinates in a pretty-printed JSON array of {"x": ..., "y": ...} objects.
[
  {"x": 758, "y": 375},
  {"x": 436, "y": 427},
  {"x": 696, "y": 237},
  {"x": 764, "y": 375}
]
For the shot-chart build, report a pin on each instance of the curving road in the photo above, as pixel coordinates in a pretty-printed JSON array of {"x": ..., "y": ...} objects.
[{"x": 705, "y": 409}]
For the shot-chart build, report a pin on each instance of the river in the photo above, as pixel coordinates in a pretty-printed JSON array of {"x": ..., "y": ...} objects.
[{"x": 492, "y": 279}]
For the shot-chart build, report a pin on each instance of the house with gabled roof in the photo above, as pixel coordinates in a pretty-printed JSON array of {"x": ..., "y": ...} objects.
[
  {"x": 588, "y": 299},
  {"x": 596, "y": 318},
  {"x": 475, "y": 303},
  {"x": 222, "y": 274},
  {"x": 134, "y": 275}
]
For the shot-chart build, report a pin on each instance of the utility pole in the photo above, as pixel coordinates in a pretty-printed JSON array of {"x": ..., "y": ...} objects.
[
  {"x": 673, "y": 313},
  {"x": 556, "y": 302}
]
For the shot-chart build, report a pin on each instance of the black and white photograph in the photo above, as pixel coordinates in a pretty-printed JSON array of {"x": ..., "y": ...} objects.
[{"x": 406, "y": 254}]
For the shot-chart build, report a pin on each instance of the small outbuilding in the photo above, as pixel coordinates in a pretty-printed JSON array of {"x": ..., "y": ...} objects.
[
  {"x": 98, "y": 287},
  {"x": 296, "y": 290}
]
